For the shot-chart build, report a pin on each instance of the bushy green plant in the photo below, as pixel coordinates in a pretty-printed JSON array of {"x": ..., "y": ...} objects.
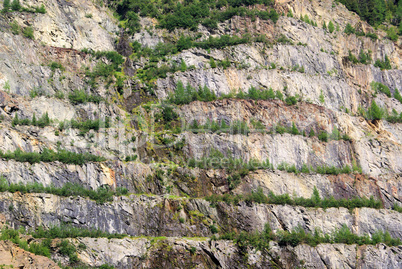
[
  {"x": 69, "y": 231},
  {"x": 323, "y": 136},
  {"x": 352, "y": 58},
  {"x": 41, "y": 9},
  {"x": 43, "y": 121},
  {"x": 386, "y": 64},
  {"x": 15, "y": 28},
  {"x": 28, "y": 32},
  {"x": 55, "y": 65},
  {"x": 315, "y": 200},
  {"x": 48, "y": 155},
  {"x": 349, "y": 29},
  {"x": 16, "y": 5},
  {"x": 331, "y": 27},
  {"x": 81, "y": 97},
  {"x": 379, "y": 87},
  {"x": 398, "y": 96},
  {"x": 6, "y": 6},
  {"x": 185, "y": 95},
  {"x": 365, "y": 58},
  {"x": 375, "y": 112}
]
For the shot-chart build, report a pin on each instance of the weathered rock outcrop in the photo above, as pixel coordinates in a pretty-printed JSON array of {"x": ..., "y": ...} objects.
[
  {"x": 176, "y": 253},
  {"x": 165, "y": 213}
]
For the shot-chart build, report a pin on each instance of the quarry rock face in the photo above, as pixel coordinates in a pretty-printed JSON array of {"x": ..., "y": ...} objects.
[{"x": 177, "y": 202}]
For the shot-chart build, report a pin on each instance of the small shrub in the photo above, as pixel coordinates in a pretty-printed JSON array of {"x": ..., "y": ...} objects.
[
  {"x": 41, "y": 9},
  {"x": 55, "y": 65},
  {"x": 28, "y": 32},
  {"x": 331, "y": 27},
  {"x": 81, "y": 97},
  {"x": 59, "y": 95},
  {"x": 291, "y": 100},
  {"x": 386, "y": 64},
  {"x": 16, "y": 5},
  {"x": 15, "y": 28},
  {"x": 349, "y": 29},
  {"x": 398, "y": 96},
  {"x": 323, "y": 136},
  {"x": 213, "y": 228},
  {"x": 321, "y": 97},
  {"x": 379, "y": 87}
]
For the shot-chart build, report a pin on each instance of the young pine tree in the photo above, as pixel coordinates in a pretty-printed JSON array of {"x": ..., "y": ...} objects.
[
  {"x": 183, "y": 66},
  {"x": 212, "y": 63},
  {"x": 331, "y": 27},
  {"x": 294, "y": 129},
  {"x": 16, "y": 5},
  {"x": 375, "y": 111},
  {"x": 34, "y": 120},
  {"x": 6, "y": 5},
  {"x": 15, "y": 121}
]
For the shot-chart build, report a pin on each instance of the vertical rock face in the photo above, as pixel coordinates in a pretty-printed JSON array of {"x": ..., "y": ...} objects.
[{"x": 276, "y": 130}]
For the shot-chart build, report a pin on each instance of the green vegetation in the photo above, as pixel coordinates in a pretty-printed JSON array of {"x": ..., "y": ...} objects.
[
  {"x": 364, "y": 57},
  {"x": 188, "y": 14},
  {"x": 81, "y": 97},
  {"x": 105, "y": 70},
  {"x": 374, "y": 112},
  {"x": 6, "y": 6},
  {"x": 394, "y": 117},
  {"x": 396, "y": 207},
  {"x": 284, "y": 40},
  {"x": 349, "y": 29},
  {"x": 15, "y": 28},
  {"x": 69, "y": 231},
  {"x": 16, "y": 6},
  {"x": 37, "y": 91},
  {"x": 101, "y": 195},
  {"x": 386, "y": 64},
  {"x": 306, "y": 19},
  {"x": 352, "y": 58},
  {"x": 41, "y": 122},
  {"x": 398, "y": 96},
  {"x": 85, "y": 126},
  {"x": 185, "y": 95},
  {"x": 152, "y": 70},
  {"x": 42, "y": 248},
  {"x": 379, "y": 87},
  {"x": 48, "y": 155},
  {"x": 28, "y": 32},
  {"x": 323, "y": 135},
  {"x": 375, "y": 12},
  {"x": 372, "y": 36},
  {"x": 236, "y": 127},
  {"x": 45, "y": 248},
  {"x": 331, "y": 27},
  {"x": 343, "y": 235},
  {"x": 324, "y": 169},
  {"x": 284, "y": 199},
  {"x": 321, "y": 97},
  {"x": 55, "y": 65},
  {"x": 235, "y": 168}
]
